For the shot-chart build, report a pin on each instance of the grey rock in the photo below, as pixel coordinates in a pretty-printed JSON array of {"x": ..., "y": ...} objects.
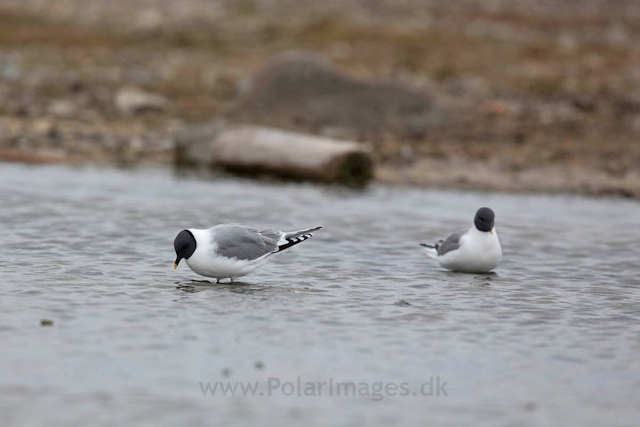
[
  {"x": 62, "y": 108},
  {"x": 133, "y": 100},
  {"x": 11, "y": 72},
  {"x": 194, "y": 144},
  {"x": 302, "y": 90}
]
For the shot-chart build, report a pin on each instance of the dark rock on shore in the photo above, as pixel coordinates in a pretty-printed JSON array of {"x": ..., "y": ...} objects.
[{"x": 303, "y": 91}]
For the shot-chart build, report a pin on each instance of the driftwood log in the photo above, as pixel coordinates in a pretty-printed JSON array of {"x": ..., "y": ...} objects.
[{"x": 257, "y": 150}]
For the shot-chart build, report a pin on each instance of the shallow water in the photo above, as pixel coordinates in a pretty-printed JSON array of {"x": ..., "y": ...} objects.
[{"x": 552, "y": 339}]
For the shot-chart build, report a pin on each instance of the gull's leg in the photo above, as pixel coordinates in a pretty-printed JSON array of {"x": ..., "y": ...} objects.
[
  {"x": 217, "y": 281},
  {"x": 231, "y": 279}
]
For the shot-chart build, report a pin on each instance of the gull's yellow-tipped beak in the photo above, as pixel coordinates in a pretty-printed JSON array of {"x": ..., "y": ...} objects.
[
  {"x": 490, "y": 231},
  {"x": 175, "y": 265}
]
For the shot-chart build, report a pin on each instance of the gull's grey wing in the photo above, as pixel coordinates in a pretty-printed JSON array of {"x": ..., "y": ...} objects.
[
  {"x": 451, "y": 243},
  {"x": 242, "y": 242}
]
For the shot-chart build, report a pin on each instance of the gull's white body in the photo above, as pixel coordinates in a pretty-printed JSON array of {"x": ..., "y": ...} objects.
[
  {"x": 206, "y": 262},
  {"x": 479, "y": 252}
]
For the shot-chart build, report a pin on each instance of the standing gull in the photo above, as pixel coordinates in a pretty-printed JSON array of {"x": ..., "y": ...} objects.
[
  {"x": 476, "y": 250},
  {"x": 232, "y": 250}
]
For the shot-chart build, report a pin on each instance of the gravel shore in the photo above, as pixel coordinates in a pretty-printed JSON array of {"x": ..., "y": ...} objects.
[{"x": 531, "y": 97}]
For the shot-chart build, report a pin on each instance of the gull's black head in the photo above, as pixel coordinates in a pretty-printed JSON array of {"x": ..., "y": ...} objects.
[
  {"x": 185, "y": 246},
  {"x": 484, "y": 219}
]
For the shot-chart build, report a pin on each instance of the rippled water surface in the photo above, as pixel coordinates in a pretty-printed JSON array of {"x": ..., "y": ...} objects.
[{"x": 552, "y": 339}]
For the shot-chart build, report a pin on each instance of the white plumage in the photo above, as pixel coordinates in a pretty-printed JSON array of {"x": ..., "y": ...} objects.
[
  {"x": 233, "y": 250},
  {"x": 476, "y": 250}
]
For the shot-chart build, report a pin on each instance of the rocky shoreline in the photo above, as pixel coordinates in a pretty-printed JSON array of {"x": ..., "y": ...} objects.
[{"x": 546, "y": 105}]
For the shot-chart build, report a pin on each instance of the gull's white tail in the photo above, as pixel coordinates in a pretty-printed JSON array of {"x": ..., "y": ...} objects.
[{"x": 431, "y": 250}]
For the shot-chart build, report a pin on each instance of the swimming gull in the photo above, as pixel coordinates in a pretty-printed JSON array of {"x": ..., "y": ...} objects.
[
  {"x": 232, "y": 250},
  {"x": 476, "y": 250}
]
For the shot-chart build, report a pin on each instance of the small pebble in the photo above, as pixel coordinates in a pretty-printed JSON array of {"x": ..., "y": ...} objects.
[
  {"x": 226, "y": 372},
  {"x": 259, "y": 365},
  {"x": 46, "y": 322},
  {"x": 401, "y": 302}
]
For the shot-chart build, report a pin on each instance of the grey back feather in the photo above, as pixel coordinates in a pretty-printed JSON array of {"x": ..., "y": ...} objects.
[
  {"x": 244, "y": 243},
  {"x": 451, "y": 243}
]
